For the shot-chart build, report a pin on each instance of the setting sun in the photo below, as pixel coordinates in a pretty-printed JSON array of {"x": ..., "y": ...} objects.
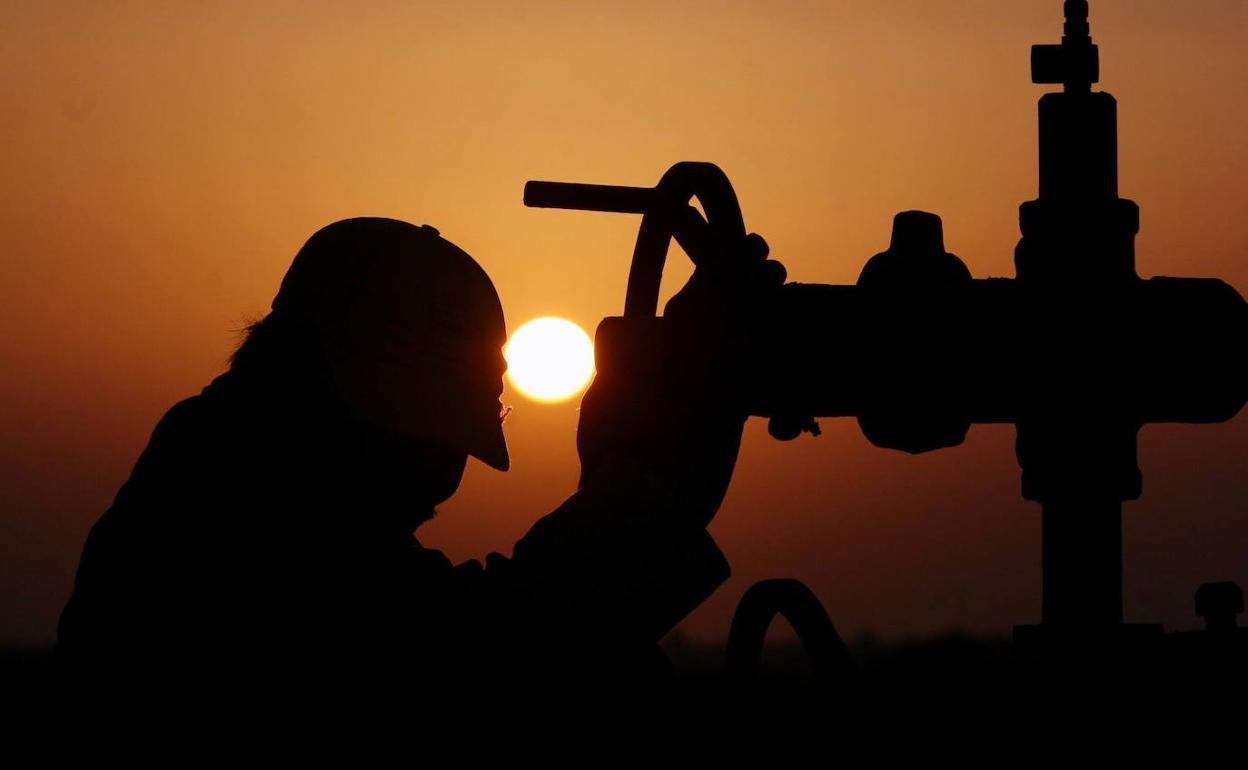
[{"x": 549, "y": 359}]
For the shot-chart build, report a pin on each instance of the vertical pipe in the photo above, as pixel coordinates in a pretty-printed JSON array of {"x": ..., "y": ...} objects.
[{"x": 1082, "y": 562}]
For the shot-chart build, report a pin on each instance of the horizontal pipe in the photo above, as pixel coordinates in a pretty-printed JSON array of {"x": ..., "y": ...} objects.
[
  {"x": 589, "y": 197},
  {"x": 988, "y": 351}
]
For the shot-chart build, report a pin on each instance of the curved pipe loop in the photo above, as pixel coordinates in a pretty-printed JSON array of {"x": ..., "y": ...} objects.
[{"x": 831, "y": 664}]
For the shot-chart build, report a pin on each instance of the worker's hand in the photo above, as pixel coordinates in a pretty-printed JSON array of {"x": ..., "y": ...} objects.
[{"x": 668, "y": 393}]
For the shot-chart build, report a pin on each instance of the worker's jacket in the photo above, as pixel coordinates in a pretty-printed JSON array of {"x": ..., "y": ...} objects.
[{"x": 249, "y": 557}]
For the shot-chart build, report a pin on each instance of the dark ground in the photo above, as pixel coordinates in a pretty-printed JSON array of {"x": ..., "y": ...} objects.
[
  {"x": 25, "y": 671},
  {"x": 963, "y": 679}
]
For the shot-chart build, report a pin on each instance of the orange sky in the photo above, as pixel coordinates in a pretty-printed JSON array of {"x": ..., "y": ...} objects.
[{"x": 162, "y": 162}]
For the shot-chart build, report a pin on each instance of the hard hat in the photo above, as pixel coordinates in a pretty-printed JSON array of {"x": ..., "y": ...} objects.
[{"x": 412, "y": 327}]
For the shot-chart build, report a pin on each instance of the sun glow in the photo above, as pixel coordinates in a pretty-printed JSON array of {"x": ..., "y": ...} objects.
[{"x": 549, "y": 359}]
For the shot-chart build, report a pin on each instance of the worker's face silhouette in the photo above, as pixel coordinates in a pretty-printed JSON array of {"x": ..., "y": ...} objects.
[
  {"x": 411, "y": 327},
  {"x": 410, "y": 475}
]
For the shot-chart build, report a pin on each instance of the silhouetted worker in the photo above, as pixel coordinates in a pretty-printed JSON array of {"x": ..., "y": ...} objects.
[{"x": 263, "y": 548}]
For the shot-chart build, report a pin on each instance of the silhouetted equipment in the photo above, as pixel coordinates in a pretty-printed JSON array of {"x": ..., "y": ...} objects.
[
  {"x": 1073, "y": 63},
  {"x": 1219, "y": 604},
  {"x": 831, "y": 665},
  {"x": 1077, "y": 351}
]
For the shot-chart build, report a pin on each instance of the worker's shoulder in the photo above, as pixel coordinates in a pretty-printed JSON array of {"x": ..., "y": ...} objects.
[
  {"x": 165, "y": 471},
  {"x": 189, "y": 411},
  {"x": 191, "y": 425}
]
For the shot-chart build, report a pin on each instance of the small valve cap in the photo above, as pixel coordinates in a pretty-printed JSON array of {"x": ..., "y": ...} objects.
[{"x": 917, "y": 232}]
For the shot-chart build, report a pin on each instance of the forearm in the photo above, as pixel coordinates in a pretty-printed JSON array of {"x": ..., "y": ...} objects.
[{"x": 615, "y": 559}]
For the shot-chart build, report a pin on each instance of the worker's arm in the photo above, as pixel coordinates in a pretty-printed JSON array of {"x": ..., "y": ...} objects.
[
  {"x": 617, "y": 559},
  {"x": 628, "y": 555}
]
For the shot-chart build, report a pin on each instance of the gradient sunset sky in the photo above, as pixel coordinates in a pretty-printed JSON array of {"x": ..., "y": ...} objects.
[{"x": 162, "y": 162}]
